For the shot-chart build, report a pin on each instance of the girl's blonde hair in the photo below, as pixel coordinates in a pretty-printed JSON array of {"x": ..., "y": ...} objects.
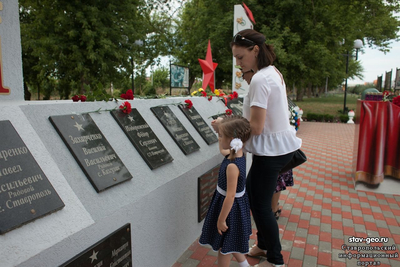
[{"x": 235, "y": 126}]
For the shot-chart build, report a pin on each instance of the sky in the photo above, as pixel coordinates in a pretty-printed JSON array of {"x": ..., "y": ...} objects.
[{"x": 376, "y": 63}]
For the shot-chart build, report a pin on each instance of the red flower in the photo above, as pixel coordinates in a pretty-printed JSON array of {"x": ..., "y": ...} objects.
[
  {"x": 82, "y": 98},
  {"x": 75, "y": 98},
  {"x": 126, "y": 107},
  {"x": 230, "y": 96},
  {"x": 128, "y": 95},
  {"x": 396, "y": 101},
  {"x": 228, "y": 111},
  {"x": 298, "y": 122},
  {"x": 209, "y": 98},
  {"x": 386, "y": 93},
  {"x": 226, "y": 101},
  {"x": 235, "y": 95},
  {"x": 204, "y": 93},
  {"x": 189, "y": 103}
]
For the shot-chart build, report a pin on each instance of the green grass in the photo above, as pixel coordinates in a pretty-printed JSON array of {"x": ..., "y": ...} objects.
[{"x": 328, "y": 105}]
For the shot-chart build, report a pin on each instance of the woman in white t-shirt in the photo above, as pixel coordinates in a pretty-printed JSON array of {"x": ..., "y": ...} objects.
[{"x": 273, "y": 140}]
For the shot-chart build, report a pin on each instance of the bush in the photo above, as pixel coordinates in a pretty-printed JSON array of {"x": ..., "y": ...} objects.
[
  {"x": 313, "y": 117},
  {"x": 323, "y": 117},
  {"x": 343, "y": 118}
]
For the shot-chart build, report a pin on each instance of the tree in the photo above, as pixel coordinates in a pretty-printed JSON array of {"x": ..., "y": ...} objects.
[
  {"x": 200, "y": 21},
  {"x": 77, "y": 44},
  {"x": 306, "y": 35},
  {"x": 160, "y": 78}
]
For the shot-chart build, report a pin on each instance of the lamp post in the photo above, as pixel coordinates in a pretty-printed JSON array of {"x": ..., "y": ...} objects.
[
  {"x": 138, "y": 43},
  {"x": 357, "y": 45}
]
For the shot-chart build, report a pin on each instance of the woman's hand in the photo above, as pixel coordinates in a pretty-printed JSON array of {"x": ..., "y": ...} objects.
[
  {"x": 215, "y": 123},
  {"x": 222, "y": 227}
]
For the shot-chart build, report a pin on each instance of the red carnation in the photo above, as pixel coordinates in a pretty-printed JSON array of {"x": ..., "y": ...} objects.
[
  {"x": 126, "y": 107},
  {"x": 75, "y": 98},
  {"x": 386, "y": 93},
  {"x": 82, "y": 98},
  {"x": 235, "y": 95},
  {"x": 189, "y": 103},
  {"x": 230, "y": 96},
  {"x": 209, "y": 98},
  {"x": 204, "y": 93},
  {"x": 228, "y": 111},
  {"x": 396, "y": 101},
  {"x": 128, "y": 95}
]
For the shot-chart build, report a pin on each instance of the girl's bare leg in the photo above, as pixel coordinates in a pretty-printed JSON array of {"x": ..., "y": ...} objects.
[
  {"x": 224, "y": 260},
  {"x": 241, "y": 259}
]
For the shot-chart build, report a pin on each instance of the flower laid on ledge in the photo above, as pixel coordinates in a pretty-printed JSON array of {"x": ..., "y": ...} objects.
[
  {"x": 188, "y": 104},
  {"x": 128, "y": 95},
  {"x": 228, "y": 112},
  {"x": 76, "y": 98},
  {"x": 126, "y": 107},
  {"x": 217, "y": 93},
  {"x": 396, "y": 101}
]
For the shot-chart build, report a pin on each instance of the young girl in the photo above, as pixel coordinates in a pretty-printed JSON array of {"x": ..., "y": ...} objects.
[{"x": 227, "y": 226}]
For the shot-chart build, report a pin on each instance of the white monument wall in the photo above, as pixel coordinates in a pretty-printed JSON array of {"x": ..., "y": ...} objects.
[{"x": 160, "y": 204}]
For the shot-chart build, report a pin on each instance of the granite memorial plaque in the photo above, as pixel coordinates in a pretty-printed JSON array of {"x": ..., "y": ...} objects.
[
  {"x": 199, "y": 124},
  {"x": 143, "y": 138},
  {"x": 91, "y": 150},
  {"x": 25, "y": 192},
  {"x": 207, "y": 183},
  {"x": 236, "y": 105},
  {"x": 175, "y": 128},
  {"x": 113, "y": 250}
]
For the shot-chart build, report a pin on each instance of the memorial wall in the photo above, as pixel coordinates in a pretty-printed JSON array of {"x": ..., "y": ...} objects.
[
  {"x": 86, "y": 188},
  {"x": 102, "y": 180}
]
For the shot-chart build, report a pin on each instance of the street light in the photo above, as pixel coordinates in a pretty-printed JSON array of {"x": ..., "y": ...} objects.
[{"x": 357, "y": 45}]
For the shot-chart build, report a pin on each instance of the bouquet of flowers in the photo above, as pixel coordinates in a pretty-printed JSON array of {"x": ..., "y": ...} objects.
[
  {"x": 217, "y": 93},
  {"x": 294, "y": 118}
]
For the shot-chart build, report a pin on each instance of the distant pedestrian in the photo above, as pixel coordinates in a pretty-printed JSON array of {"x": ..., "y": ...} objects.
[{"x": 227, "y": 226}]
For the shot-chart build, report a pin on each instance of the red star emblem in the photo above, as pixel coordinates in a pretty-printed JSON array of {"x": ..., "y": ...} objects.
[{"x": 208, "y": 67}]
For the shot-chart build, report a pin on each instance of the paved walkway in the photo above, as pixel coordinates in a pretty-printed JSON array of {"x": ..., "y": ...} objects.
[{"x": 322, "y": 210}]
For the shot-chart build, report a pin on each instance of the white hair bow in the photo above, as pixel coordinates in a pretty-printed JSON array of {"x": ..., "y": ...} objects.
[{"x": 236, "y": 144}]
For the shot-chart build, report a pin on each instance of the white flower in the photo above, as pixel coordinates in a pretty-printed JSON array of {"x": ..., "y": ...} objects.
[{"x": 236, "y": 144}]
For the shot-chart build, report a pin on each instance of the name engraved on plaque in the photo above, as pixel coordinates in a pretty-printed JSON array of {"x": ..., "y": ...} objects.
[
  {"x": 176, "y": 129},
  {"x": 199, "y": 124},
  {"x": 207, "y": 183},
  {"x": 112, "y": 251},
  {"x": 25, "y": 192},
  {"x": 143, "y": 138},
  {"x": 91, "y": 150}
]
